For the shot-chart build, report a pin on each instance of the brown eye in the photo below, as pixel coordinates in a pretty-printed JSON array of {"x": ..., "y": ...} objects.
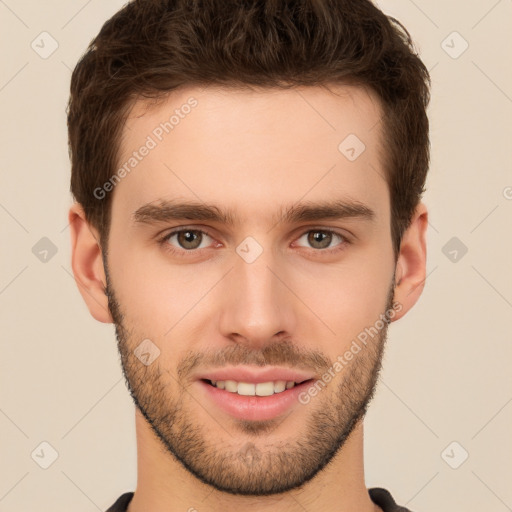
[
  {"x": 187, "y": 239},
  {"x": 319, "y": 239},
  {"x": 322, "y": 239}
]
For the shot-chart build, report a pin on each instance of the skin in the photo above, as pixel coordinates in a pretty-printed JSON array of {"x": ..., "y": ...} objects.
[{"x": 296, "y": 305}]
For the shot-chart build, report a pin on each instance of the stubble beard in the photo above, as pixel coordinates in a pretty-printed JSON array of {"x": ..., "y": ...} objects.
[{"x": 237, "y": 457}]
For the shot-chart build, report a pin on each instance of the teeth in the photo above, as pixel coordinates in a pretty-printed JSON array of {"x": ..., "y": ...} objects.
[{"x": 248, "y": 389}]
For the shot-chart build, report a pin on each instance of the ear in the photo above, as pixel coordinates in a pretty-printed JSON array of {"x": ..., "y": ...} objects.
[
  {"x": 411, "y": 263},
  {"x": 87, "y": 264}
]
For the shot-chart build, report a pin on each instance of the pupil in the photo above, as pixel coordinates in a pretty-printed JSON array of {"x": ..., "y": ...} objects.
[
  {"x": 188, "y": 238},
  {"x": 322, "y": 238}
]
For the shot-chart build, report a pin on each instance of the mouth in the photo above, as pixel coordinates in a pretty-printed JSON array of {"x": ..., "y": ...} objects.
[
  {"x": 260, "y": 389},
  {"x": 253, "y": 401}
]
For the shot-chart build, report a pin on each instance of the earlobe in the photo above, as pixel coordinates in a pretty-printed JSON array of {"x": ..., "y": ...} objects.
[
  {"x": 87, "y": 264},
  {"x": 411, "y": 264}
]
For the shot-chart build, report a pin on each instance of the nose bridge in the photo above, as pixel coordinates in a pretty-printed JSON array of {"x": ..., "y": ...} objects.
[{"x": 258, "y": 305}]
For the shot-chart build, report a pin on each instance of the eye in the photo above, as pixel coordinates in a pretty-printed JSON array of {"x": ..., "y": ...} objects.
[
  {"x": 321, "y": 239},
  {"x": 187, "y": 239}
]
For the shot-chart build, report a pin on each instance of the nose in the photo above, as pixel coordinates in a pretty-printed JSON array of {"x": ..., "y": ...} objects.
[{"x": 258, "y": 305}]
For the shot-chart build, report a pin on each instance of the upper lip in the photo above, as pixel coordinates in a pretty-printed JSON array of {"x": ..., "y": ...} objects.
[{"x": 246, "y": 374}]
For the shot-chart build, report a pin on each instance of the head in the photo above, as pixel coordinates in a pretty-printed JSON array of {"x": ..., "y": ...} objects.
[{"x": 261, "y": 122}]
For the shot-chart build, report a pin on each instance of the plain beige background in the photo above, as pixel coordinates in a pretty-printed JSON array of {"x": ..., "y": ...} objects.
[{"x": 445, "y": 391}]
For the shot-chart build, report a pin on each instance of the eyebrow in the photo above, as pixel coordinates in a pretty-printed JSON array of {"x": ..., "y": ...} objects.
[{"x": 168, "y": 210}]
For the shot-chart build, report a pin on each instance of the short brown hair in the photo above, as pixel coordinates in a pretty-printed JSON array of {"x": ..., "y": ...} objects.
[{"x": 152, "y": 47}]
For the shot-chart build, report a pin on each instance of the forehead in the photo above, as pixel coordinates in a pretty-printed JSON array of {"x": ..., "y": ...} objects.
[{"x": 253, "y": 150}]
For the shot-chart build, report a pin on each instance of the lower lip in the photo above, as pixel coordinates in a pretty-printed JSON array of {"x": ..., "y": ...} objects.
[{"x": 254, "y": 407}]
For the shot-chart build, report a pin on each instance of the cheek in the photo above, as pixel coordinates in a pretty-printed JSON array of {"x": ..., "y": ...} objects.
[
  {"x": 155, "y": 295},
  {"x": 347, "y": 298},
  {"x": 352, "y": 313},
  {"x": 139, "y": 287}
]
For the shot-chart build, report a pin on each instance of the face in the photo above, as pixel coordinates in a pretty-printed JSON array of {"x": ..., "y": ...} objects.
[{"x": 284, "y": 260}]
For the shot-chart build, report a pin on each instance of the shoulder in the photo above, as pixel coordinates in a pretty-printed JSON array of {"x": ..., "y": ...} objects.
[
  {"x": 385, "y": 501},
  {"x": 122, "y": 503}
]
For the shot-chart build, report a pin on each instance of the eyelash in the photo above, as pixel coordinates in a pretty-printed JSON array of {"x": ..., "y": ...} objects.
[{"x": 163, "y": 241}]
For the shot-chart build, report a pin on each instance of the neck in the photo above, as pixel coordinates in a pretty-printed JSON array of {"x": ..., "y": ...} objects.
[{"x": 163, "y": 484}]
